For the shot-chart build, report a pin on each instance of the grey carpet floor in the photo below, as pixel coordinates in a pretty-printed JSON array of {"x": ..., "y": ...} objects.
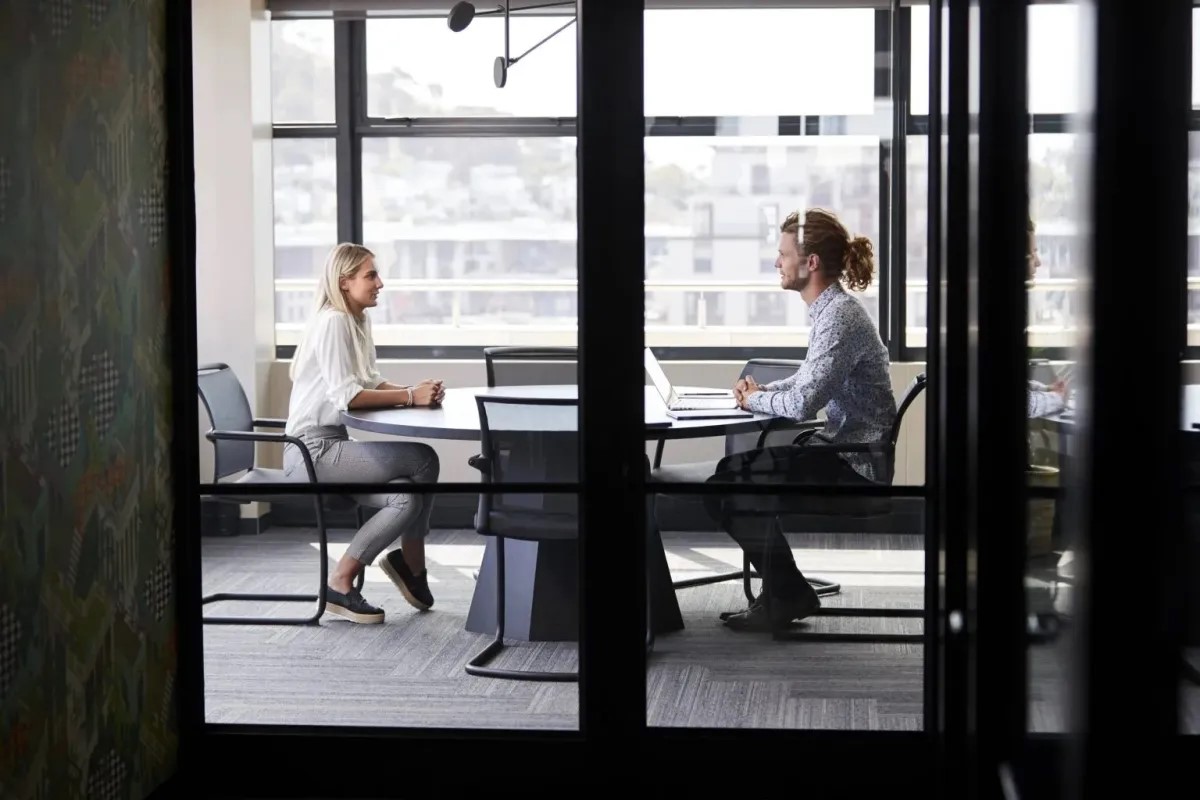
[{"x": 409, "y": 671}]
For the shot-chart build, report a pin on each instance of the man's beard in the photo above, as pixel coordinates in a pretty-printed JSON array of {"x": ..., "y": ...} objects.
[{"x": 799, "y": 283}]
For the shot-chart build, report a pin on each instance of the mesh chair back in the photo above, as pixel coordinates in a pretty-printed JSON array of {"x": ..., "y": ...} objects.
[
  {"x": 529, "y": 440},
  {"x": 531, "y": 366},
  {"x": 228, "y": 410}
]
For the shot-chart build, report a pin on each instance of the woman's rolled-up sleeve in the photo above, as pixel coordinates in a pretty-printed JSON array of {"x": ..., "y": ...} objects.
[{"x": 334, "y": 352}]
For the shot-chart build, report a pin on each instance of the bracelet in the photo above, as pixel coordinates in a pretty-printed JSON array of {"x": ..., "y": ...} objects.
[{"x": 409, "y": 391}]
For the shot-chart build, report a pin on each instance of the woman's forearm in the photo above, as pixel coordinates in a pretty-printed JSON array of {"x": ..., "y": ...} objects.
[{"x": 380, "y": 398}]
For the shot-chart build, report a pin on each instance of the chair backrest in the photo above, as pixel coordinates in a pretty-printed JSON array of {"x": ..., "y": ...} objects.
[
  {"x": 529, "y": 440},
  {"x": 529, "y": 366},
  {"x": 763, "y": 370},
  {"x": 228, "y": 410},
  {"x": 914, "y": 389}
]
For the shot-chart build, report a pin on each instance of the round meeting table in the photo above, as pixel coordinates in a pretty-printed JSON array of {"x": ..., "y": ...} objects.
[{"x": 542, "y": 590}]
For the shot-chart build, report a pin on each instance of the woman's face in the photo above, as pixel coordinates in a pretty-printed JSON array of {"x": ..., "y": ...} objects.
[{"x": 362, "y": 288}]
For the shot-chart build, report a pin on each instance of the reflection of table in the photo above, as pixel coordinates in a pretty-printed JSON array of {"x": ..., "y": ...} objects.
[{"x": 542, "y": 577}]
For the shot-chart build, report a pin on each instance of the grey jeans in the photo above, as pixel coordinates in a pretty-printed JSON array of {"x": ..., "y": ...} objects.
[{"x": 338, "y": 458}]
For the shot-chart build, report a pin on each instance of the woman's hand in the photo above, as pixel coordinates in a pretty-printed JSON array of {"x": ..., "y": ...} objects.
[{"x": 427, "y": 393}]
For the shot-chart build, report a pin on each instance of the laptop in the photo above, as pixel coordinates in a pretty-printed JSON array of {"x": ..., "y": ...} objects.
[{"x": 699, "y": 404}]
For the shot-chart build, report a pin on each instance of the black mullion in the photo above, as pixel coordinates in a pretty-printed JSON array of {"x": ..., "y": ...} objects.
[
  {"x": 611, "y": 222},
  {"x": 997, "y": 368},
  {"x": 948, "y": 409},
  {"x": 934, "y": 560},
  {"x": 289, "y": 131},
  {"x": 884, "y": 70},
  {"x": 347, "y": 37},
  {"x": 185, "y": 473},
  {"x": 1124, "y": 644},
  {"x": 898, "y": 272}
]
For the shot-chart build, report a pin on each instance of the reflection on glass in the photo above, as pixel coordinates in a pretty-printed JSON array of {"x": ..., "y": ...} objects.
[{"x": 1056, "y": 270}]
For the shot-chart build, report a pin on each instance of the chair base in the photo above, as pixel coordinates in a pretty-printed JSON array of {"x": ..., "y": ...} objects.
[
  {"x": 222, "y": 597},
  {"x": 478, "y": 666},
  {"x": 319, "y": 598}
]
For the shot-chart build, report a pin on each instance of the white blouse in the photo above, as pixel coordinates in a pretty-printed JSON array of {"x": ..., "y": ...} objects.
[{"x": 326, "y": 376}]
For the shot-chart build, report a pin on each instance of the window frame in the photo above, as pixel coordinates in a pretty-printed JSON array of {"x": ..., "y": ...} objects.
[{"x": 892, "y": 53}]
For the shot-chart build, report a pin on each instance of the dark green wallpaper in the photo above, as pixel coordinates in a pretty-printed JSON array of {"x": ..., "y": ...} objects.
[{"x": 87, "y": 636}]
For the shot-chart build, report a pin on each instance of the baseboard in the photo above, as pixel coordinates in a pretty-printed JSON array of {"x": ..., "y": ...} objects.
[{"x": 457, "y": 512}]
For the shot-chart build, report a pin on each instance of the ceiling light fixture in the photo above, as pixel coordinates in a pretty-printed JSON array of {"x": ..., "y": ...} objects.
[{"x": 462, "y": 13}]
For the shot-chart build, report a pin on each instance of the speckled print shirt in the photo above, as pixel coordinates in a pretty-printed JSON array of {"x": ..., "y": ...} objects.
[{"x": 846, "y": 372}]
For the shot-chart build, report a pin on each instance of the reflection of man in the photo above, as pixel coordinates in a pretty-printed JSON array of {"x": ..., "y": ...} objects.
[
  {"x": 846, "y": 373},
  {"x": 1042, "y": 400}
]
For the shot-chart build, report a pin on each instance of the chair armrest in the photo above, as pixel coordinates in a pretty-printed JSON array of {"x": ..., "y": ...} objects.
[
  {"x": 280, "y": 438},
  {"x": 865, "y": 447},
  {"x": 252, "y": 436},
  {"x": 804, "y": 435},
  {"x": 270, "y": 422},
  {"x": 783, "y": 424}
]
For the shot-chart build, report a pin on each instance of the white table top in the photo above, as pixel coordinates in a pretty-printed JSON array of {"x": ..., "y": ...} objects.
[{"x": 458, "y": 416}]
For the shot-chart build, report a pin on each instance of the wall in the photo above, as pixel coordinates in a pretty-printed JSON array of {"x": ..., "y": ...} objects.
[
  {"x": 234, "y": 208},
  {"x": 87, "y": 634}
]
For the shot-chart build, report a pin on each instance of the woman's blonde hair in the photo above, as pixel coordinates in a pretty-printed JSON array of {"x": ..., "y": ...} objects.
[{"x": 343, "y": 261}]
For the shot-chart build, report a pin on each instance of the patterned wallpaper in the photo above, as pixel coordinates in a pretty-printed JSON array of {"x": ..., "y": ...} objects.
[{"x": 87, "y": 636}]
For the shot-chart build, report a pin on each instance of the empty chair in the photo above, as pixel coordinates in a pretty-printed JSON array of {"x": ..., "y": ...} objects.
[{"x": 233, "y": 436}]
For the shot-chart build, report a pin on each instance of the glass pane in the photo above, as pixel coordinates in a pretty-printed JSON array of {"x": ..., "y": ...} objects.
[
  {"x": 1055, "y": 296},
  {"x": 918, "y": 72},
  {"x": 475, "y": 239},
  {"x": 1057, "y": 269},
  {"x": 395, "y": 661},
  {"x": 916, "y": 210},
  {"x": 1189, "y": 698},
  {"x": 1055, "y": 59},
  {"x": 713, "y": 210},
  {"x": 726, "y": 62},
  {"x": 305, "y": 194},
  {"x": 302, "y": 71},
  {"x": 420, "y": 68}
]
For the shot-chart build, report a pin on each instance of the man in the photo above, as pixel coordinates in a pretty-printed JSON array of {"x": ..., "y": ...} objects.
[
  {"x": 1042, "y": 400},
  {"x": 846, "y": 373}
]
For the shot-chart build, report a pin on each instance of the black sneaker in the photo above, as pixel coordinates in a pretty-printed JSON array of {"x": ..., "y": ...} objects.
[
  {"x": 725, "y": 615},
  {"x": 352, "y": 606},
  {"x": 782, "y": 614},
  {"x": 415, "y": 588}
]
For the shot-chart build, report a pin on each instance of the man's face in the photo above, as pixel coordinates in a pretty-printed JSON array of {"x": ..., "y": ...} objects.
[
  {"x": 1032, "y": 262},
  {"x": 794, "y": 268}
]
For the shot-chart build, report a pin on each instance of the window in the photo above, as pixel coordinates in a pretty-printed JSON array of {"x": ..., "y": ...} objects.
[
  {"x": 1054, "y": 74},
  {"x": 760, "y": 179},
  {"x": 475, "y": 230},
  {"x": 302, "y": 71},
  {"x": 305, "y": 192},
  {"x": 419, "y": 68},
  {"x": 769, "y": 309}
]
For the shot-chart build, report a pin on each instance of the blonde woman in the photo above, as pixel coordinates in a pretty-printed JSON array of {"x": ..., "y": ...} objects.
[{"x": 333, "y": 370}]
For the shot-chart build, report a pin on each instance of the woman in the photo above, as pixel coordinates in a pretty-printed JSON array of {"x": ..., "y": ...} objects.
[{"x": 334, "y": 370}]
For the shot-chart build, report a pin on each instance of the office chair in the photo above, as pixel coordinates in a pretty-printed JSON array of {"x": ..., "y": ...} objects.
[{"x": 233, "y": 436}]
